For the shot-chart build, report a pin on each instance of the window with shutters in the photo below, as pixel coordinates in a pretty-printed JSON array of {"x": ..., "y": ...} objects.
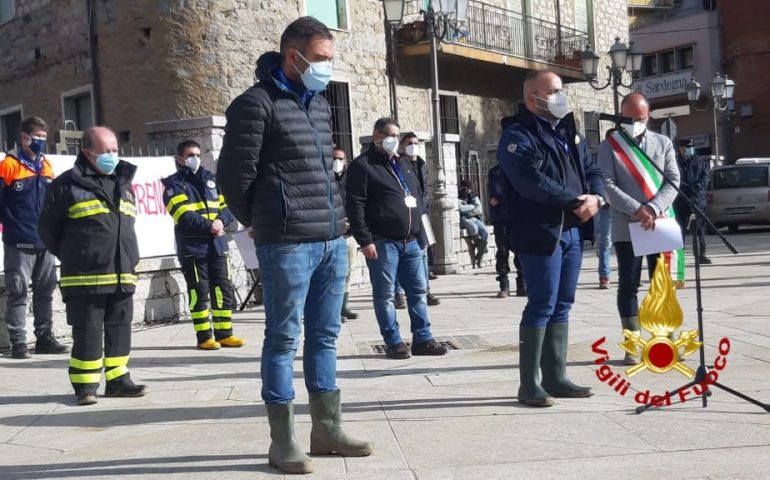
[
  {"x": 7, "y": 10},
  {"x": 333, "y": 13},
  {"x": 78, "y": 106},
  {"x": 450, "y": 118},
  {"x": 584, "y": 18},
  {"x": 342, "y": 131},
  {"x": 10, "y": 126},
  {"x": 591, "y": 130}
]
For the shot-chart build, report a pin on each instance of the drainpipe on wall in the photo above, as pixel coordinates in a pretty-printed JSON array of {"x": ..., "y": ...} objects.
[{"x": 93, "y": 54}]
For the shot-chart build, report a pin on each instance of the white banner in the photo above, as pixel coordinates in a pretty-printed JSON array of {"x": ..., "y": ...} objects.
[{"x": 154, "y": 226}]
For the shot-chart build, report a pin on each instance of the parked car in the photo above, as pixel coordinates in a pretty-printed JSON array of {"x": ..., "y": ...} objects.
[{"x": 740, "y": 194}]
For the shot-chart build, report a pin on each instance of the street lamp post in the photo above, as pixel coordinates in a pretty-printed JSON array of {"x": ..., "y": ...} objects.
[
  {"x": 438, "y": 15},
  {"x": 722, "y": 91},
  {"x": 623, "y": 59}
]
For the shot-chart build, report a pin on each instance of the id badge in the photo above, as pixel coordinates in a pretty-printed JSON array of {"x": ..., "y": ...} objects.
[{"x": 410, "y": 201}]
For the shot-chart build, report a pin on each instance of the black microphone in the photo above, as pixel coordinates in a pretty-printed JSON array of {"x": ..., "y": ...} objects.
[{"x": 616, "y": 119}]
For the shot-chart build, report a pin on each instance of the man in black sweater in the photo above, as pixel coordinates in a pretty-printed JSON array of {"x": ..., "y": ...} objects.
[{"x": 384, "y": 209}]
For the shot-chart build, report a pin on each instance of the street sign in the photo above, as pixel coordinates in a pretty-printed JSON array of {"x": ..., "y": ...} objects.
[{"x": 669, "y": 129}]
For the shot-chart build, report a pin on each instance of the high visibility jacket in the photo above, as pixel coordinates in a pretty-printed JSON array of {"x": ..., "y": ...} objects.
[
  {"x": 194, "y": 202},
  {"x": 87, "y": 221},
  {"x": 22, "y": 189}
]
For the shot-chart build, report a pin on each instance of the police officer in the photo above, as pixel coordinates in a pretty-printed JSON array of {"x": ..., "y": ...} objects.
[
  {"x": 200, "y": 217},
  {"x": 87, "y": 221},
  {"x": 694, "y": 175},
  {"x": 24, "y": 178}
]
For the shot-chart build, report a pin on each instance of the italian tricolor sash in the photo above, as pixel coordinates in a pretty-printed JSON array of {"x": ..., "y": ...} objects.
[{"x": 638, "y": 164}]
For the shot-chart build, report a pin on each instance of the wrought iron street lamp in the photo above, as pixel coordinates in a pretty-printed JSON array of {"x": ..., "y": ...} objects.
[
  {"x": 439, "y": 15},
  {"x": 722, "y": 91},
  {"x": 623, "y": 60}
]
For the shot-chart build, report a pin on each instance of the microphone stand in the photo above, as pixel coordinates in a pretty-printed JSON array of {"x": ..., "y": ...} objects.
[{"x": 701, "y": 373}]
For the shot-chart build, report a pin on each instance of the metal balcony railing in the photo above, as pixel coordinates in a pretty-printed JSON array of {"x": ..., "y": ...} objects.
[
  {"x": 505, "y": 31},
  {"x": 652, "y": 3}
]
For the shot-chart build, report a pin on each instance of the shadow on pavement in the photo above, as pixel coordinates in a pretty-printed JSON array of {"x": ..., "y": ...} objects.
[{"x": 220, "y": 464}]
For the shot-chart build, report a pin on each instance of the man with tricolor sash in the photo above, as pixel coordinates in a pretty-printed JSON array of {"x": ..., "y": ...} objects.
[
  {"x": 637, "y": 192},
  {"x": 87, "y": 222}
]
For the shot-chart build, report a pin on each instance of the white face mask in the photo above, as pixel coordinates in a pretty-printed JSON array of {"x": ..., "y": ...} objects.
[
  {"x": 637, "y": 129},
  {"x": 390, "y": 145},
  {"x": 412, "y": 150},
  {"x": 558, "y": 104},
  {"x": 193, "y": 162},
  {"x": 338, "y": 166}
]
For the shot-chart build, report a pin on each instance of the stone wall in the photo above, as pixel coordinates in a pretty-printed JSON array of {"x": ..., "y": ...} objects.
[{"x": 43, "y": 52}]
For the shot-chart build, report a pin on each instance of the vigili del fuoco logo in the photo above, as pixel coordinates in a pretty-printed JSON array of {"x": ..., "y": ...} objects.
[{"x": 661, "y": 316}]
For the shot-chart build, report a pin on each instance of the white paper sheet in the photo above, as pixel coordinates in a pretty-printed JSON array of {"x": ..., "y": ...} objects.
[
  {"x": 667, "y": 236},
  {"x": 246, "y": 246},
  {"x": 426, "y": 226}
]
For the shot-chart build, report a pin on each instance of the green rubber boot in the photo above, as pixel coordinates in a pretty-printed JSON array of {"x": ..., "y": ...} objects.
[
  {"x": 327, "y": 436},
  {"x": 284, "y": 453},
  {"x": 530, "y": 348},
  {"x": 554, "y": 364}
]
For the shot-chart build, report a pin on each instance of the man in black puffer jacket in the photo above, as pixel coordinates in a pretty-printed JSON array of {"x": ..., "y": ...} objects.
[{"x": 275, "y": 171}]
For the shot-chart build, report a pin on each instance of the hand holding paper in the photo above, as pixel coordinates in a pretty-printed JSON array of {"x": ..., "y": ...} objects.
[{"x": 666, "y": 236}]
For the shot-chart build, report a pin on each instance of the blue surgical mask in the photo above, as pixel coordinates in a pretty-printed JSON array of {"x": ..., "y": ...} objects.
[
  {"x": 689, "y": 151},
  {"x": 37, "y": 145},
  {"x": 106, "y": 162},
  {"x": 317, "y": 74}
]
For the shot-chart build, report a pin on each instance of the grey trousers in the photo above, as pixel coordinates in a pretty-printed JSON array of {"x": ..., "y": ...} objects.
[{"x": 21, "y": 267}]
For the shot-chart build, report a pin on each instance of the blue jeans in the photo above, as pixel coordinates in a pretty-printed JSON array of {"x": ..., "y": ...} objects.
[
  {"x": 301, "y": 280},
  {"x": 552, "y": 281},
  {"x": 475, "y": 227},
  {"x": 405, "y": 261},
  {"x": 603, "y": 240},
  {"x": 400, "y": 291}
]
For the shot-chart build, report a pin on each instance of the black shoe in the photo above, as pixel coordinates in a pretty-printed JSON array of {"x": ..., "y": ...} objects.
[
  {"x": 20, "y": 351},
  {"x": 431, "y": 347},
  {"x": 432, "y": 276},
  {"x": 398, "y": 351},
  {"x": 400, "y": 301},
  {"x": 704, "y": 260},
  {"x": 47, "y": 344},
  {"x": 87, "y": 398},
  {"x": 123, "y": 386},
  {"x": 433, "y": 300},
  {"x": 503, "y": 294}
]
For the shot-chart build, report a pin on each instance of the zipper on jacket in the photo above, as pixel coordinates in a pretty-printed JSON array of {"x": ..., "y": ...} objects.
[
  {"x": 408, "y": 210},
  {"x": 323, "y": 165}
]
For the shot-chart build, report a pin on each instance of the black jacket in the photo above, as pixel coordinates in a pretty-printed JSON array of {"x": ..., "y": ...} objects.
[
  {"x": 694, "y": 176},
  {"x": 499, "y": 188},
  {"x": 87, "y": 222},
  {"x": 194, "y": 202},
  {"x": 534, "y": 164},
  {"x": 275, "y": 167},
  {"x": 375, "y": 199}
]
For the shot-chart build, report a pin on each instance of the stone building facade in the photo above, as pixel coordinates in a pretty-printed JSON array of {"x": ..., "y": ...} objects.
[{"x": 157, "y": 70}]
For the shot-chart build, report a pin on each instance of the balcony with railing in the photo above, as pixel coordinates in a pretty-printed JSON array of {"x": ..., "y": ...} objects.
[{"x": 494, "y": 34}]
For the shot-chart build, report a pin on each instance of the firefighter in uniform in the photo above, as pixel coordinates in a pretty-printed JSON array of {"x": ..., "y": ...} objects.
[
  {"x": 87, "y": 222},
  {"x": 200, "y": 215}
]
